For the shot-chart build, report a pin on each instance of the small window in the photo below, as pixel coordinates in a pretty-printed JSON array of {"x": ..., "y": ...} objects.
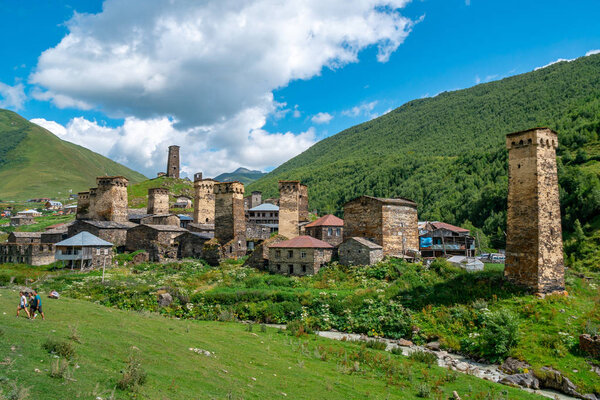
[
  {"x": 303, "y": 254},
  {"x": 329, "y": 231},
  {"x": 277, "y": 253},
  {"x": 528, "y": 141},
  {"x": 291, "y": 268},
  {"x": 338, "y": 232},
  {"x": 304, "y": 268},
  {"x": 97, "y": 252},
  {"x": 290, "y": 254},
  {"x": 278, "y": 267}
]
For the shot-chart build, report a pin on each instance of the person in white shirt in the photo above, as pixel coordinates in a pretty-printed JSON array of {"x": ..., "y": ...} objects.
[{"x": 23, "y": 305}]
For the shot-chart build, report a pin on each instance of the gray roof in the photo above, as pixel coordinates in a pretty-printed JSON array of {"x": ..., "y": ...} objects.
[
  {"x": 184, "y": 217},
  {"x": 110, "y": 224},
  {"x": 201, "y": 235},
  {"x": 265, "y": 207},
  {"x": 84, "y": 239},
  {"x": 166, "y": 228},
  {"x": 399, "y": 201},
  {"x": 27, "y": 234},
  {"x": 366, "y": 243}
]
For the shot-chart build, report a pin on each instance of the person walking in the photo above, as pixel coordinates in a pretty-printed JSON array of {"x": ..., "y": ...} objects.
[
  {"x": 22, "y": 304},
  {"x": 37, "y": 305}
]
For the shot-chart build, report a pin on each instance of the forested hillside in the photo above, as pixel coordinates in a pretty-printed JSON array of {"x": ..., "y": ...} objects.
[
  {"x": 448, "y": 152},
  {"x": 36, "y": 163}
]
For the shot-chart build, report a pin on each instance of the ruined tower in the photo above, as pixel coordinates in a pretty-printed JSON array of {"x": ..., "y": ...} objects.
[
  {"x": 534, "y": 249},
  {"x": 158, "y": 201},
  {"x": 230, "y": 221},
  {"x": 293, "y": 207},
  {"x": 83, "y": 205},
  {"x": 204, "y": 200},
  {"x": 110, "y": 202},
  {"x": 173, "y": 162}
]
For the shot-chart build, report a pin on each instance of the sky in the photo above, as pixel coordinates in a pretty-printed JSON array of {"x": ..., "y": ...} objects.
[{"x": 253, "y": 83}]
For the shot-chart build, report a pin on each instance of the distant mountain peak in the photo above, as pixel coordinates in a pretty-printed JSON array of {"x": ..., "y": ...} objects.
[{"x": 244, "y": 175}]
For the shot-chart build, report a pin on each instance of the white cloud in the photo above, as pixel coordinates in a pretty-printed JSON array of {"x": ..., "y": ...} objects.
[
  {"x": 592, "y": 52},
  {"x": 12, "y": 96},
  {"x": 321, "y": 118},
  {"x": 365, "y": 109}
]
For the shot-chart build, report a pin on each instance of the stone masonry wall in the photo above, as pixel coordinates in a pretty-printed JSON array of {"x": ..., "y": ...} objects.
[
  {"x": 204, "y": 201},
  {"x": 352, "y": 252},
  {"x": 289, "y": 208},
  {"x": 362, "y": 218},
  {"x": 158, "y": 201},
  {"x": 534, "y": 251},
  {"x": 303, "y": 203},
  {"x": 281, "y": 263},
  {"x": 111, "y": 199},
  {"x": 400, "y": 229},
  {"x": 173, "y": 162},
  {"x": 83, "y": 205},
  {"x": 230, "y": 221}
]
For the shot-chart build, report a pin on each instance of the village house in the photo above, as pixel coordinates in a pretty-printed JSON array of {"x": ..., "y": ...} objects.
[
  {"x": 26, "y": 248},
  {"x": 302, "y": 255},
  {"x": 30, "y": 213},
  {"x": 110, "y": 231},
  {"x": 328, "y": 228},
  {"x": 390, "y": 223},
  {"x": 254, "y": 200},
  {"x": 439, "y": 239},
  {"x": 84, "y": 251},
  {"x": 183, "y": 202},
  {"x": 359, "y": 251},
  {"x": 19, "y": 220},
  {"x": 265, "y": 214},
  {"x": 161, "y": 219},
  {"x": 191, "y": 244},
  {"x": 157, "y": 240},
  {"x": 53, "y": 205},
  {"x": 185, "y": 220}
]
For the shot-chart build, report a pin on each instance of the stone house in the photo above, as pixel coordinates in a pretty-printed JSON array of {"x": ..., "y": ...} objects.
[
  {"x": 202, "y": 228},
  {"x": 191, "y": 244},
  {"x": 110, "y": 231},
  {"x": 302, "y": 255},
  {"x": 157, "y": 240},
  {"x": 24, "y": 237},
  {"x": 55, "y": 235},
  {"x": 84, "y": 251},
  {"x": 359, "y": 251},
  {"x": 53, "y": 205},
  {"x": 390, "y": 223},
  {"x": 19, "y": 220},
  {"x": 439, "y": 239},
  {"x": 254, "y": 200},
  {"x": 183, "y": 202},
  {"x": 161, "y": 219},
  {"x": 328, "y": 228},
  {"x": 26, "y": 248},
  {"x": 265, "y": 214},
  {"x": 259, "y": 258},
  {"x": 30, "y": 213}
]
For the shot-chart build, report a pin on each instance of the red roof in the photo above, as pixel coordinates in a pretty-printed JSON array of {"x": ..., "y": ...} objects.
[
  {"x": 303, "y": 242},
  {"x": 443, "y": 225},
  {"x": 327, "y": 220}
]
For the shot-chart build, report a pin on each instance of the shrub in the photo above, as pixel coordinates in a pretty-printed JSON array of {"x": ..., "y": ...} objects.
[
  {"x": 298, "y": 328},
  {"x": 499, "y": 335},
  {"x": 61, "y": 348},
  {"x": 15, "y": 392},
  {"x": 397, "y": 351},
  {"x": 423, "y": 357},
  {"x": 134, "y": 375},
  {"x": 74, "y": 336},
  {"x": 376, "y": 344},
  {"x": 423, "y": 390},
  {"x": 60, "y": 369}
]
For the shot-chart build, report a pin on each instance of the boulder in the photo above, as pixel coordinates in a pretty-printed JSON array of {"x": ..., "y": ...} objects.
[
  {"x": 434, "y": 346},
  {"x": 405, "y": 343},
  {"x": 521, "y": 380},
  {"x": 553, "y": 379},
  {"x": 590, "y": 344},
  {"x": 164, "y": 299},
  {"x": 513, "y": 366}
]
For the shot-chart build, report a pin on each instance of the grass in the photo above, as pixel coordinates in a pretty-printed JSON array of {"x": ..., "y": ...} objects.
[
  {"x": 137, "y": 193},
  {"x": 259, "y": 364}
]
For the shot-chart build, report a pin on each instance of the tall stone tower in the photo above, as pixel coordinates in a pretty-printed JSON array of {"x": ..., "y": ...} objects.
[
  {"x": 158, "y": 201},
  {"x": 204, "y": 200},
  {"x": 92, "y": 204},
  {"x": 230, "y": 221},
  {"x": 293, "y": 207},
  {"x": 173, "y": 162},
  {"x": 83, "y": 205},
  {"x": 534, "y": 248},
  {"x": 110, "y": 202}
]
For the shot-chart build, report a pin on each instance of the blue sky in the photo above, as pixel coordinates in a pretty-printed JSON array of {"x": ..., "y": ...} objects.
[{"x": 241, "y": 87}]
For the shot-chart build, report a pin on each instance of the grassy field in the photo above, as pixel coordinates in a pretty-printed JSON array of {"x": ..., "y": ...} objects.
[
  {"x": 245, "y": 365},
  {"x": 137, "y": 193}
]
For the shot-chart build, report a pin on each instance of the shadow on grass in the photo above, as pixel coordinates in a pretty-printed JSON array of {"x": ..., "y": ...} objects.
[{"x": 463, "y": 288}]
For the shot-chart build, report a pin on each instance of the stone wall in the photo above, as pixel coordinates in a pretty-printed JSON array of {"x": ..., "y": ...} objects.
[
  {"x": 289, "y": 208},
  {"x": 91, "y": 214},
  {"x": 303, "y": 203},
  {"x": 534, "y": 249},
  {"x": 400, "y": 230},
  {"x": 160, "y": 244},
  {"x": 257, "y": 232},
  {"x": 230, "y": 221},
  {"x": 191, "y": 245},
  {"x": 352, "y": 252},
  {"x": 111, "y": 199},
  {"x": 158, "y": 201},
  {"x": 302, "y": 261},
  {"x": 334, "y": 235},
  {"x": 173, "y": 162},
  {"x": 204, "y": 201},
  {"x": 161, "y": 219},
  {"x": 31, "y": 253},
  {"x": 590, "y": 345},
  {"x": 115, "y": 233},
  {"x": 259, "y": 258},
  {"x": 83, "y": 205}
]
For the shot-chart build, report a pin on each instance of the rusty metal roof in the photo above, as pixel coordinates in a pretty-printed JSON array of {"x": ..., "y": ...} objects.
[{"x": 327, "y": 220}]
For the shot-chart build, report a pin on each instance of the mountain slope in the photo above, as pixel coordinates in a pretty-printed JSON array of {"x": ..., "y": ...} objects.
[
  {"x": 447, "y": 152},
  {"x": 34, "y": 162},
  {"x": 243, "y": 175}
]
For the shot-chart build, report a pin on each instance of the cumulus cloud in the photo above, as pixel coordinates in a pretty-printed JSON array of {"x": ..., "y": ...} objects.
[
  {"x": 12, "y": 96},
  {"x": 592, "y": 52},
  {"x": 321, "y": 118},
  {"x": 364, "y": 109}
]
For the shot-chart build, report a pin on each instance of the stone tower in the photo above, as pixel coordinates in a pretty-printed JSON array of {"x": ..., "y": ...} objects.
[
  {"x": 173, "y": 162},
  {"x": 204, "y": 200},
  {"x": 534, "y": 249},
  {"x": 230, "y": 221},
  {"x": 293, "y": 207},
  {"x": 158, "y": 201},
  {"x": 110, "y": 202},
  {"x": 83, "y": 205},
  {"x": 92, "y": 204}
]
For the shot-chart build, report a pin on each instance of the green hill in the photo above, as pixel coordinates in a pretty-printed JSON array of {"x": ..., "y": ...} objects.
[
  {"x": 138, "y": 193},
  {"x": 36, "y": 163},
  {"x": 448, "y": 152},
  {"x": 243, "y": 175}
]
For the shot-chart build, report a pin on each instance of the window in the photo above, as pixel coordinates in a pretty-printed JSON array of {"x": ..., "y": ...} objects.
[
  {"x": 338, "y": 231},
  {"x": 290, "y": 253},
  {"x": 277, "y": 253},
  {"x": 303, "y": 254},
  {"x": 97, "y": 252},
  {"x": 291, "y": 268},
  {"x": 329, "y": 231},
  {"x": 304, "y": 268},
  {"x": 278, "y": 267}
]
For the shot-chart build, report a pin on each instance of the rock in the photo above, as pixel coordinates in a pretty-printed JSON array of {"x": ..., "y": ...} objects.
[
  {"x": 521, "y": 380},
  {"x": 513, "y": 366},
  {"x": 434, "y": 346},
  {"x": 405, "y": 343},
  {"x": 462, "y": 366},
  {"x": 553, "y": 379},
  {"x": 590, "y": 344},
  {"x": 164, "y": 299},
  {"x": 455, "y": 395},
  {"x": 589, "y": 397},
  {"x": 140, "y": 258}
]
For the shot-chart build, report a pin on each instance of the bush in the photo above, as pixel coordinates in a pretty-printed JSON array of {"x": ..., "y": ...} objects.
[
  {"x": 298, "y": 328},
  {"x": 60, "y": 369},
  {"x": 397, "y": 351},
  {"x": 59, "y": 347},
  {"x": 16, "y": 392},
  {"x": 499, "y": 335},
  {"x": 376, "y": 344},
  {"x": 133, "y": 376},
  {"x": 424, "y": 357},
  {"x": 423, "y": 390}
]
